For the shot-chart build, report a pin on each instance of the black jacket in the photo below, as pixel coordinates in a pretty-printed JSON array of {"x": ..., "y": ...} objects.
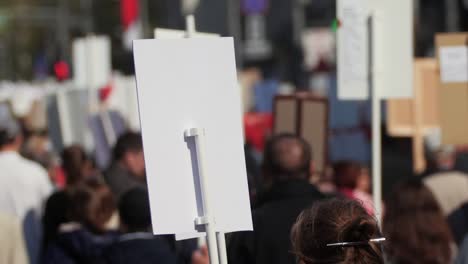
[
  {"x": 276, "y": 212},
  {"x": 79, "y": 246}
]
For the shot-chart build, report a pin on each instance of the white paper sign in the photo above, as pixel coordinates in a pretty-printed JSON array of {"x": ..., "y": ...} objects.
[
  {"x": 394, "y": 41},
  {"x": 182, "y": 84},
  {"x": 353, "y": 68},
  {"x": 92, "y": 67},
  {"x": 392, "y": 46},
  {"x": 454, "y": 64},
  {"x": 165, "y": 33}
]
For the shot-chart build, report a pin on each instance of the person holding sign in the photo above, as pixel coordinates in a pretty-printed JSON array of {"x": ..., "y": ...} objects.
[{"x": 287, "y": 167}]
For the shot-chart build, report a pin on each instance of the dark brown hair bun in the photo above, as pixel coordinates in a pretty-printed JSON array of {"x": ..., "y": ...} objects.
[{"x": 335, "y": 221}]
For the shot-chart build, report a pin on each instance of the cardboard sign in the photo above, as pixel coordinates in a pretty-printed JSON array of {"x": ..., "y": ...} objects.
[
  {"x": 183, "y": 84},
  {"x": 453, "y": 90},
  {"x": 419, "y": 116},
  {"x": 307, "y": 117}
]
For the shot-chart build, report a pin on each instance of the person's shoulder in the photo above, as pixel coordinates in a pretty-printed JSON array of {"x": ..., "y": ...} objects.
[
  {"x": 152, "y": 248},
  {"x": 446, "y": 178},
  {"x": 32, "y": 166}
]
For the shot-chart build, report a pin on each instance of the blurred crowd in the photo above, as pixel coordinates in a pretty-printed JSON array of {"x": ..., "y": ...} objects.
[{"x": 63, "y": 209}]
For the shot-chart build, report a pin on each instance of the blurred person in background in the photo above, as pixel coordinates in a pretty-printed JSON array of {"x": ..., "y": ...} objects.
[
  {"x": 12, "y": 246},
  {"x": 352, "y": 180},
  {"x": 127, "y": 170},
  {"x": 85, "y": 237},
  {"x": 415, "y": 226},
  {"x": 24, "y": 186},
  {"x": 287, "y": 167},
  {"x": 137, "y": 243},
  {"x": 77, "y": 167},
  {"x": 333, "y": 221},
  {"x": 450, "y": 188},
  {"x": 38, "y": 148}
]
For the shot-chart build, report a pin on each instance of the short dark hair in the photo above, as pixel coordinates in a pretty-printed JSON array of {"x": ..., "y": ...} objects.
[
  {"x": 129, "y": 141},
  {"x": 279, "y": 162},
  {"x": 134, "y": 210},
  {"x": 334, "y": 221}
]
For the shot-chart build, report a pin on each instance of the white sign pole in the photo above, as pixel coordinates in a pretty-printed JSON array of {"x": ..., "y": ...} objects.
[
  {"x": 392, "y": 63},
  {"x": 222, "y": 247},
  {"x": 198, "y": 134},
  {"x": 216, "y": 241},
  {"x": 376, "y": 116}
]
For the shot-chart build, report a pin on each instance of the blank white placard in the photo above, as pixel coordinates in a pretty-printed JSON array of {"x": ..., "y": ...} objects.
[
  {"x": 92, "y": 65},
  {"x": 186, "y": 83},
  {"x": 395, "y": 48}
]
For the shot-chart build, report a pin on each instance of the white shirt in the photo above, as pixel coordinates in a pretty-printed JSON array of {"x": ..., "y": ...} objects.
[
  {"x": 450, "y": 188},
  {"x": 24, "y": 188}
]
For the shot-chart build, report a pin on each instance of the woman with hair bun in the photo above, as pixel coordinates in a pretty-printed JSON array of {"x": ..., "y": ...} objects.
[{"x": 336, "y": 231}]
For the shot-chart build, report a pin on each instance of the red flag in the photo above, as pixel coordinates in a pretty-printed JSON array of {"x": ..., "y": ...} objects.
[{"x": 129, "y": 12}]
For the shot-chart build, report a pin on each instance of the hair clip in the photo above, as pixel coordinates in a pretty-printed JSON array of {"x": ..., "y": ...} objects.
[{"x": 358, "y": 243}]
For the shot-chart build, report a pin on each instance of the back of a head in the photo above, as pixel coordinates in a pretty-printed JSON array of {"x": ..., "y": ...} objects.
[
  {"x": 415, "y": 226},
  {"x": 74, "y": 158},
  {"x": 92, "y": 204},
  {"x": 287, "y": 157},
  {"x": 134, "y": 210},
  {"x": 9, "y": 131},
  {"x": 441, "y": 158},
  {"x": 346, "y": 174},
  {"x": 333, "y": 221},
  {"x": 127, "y": 142}
]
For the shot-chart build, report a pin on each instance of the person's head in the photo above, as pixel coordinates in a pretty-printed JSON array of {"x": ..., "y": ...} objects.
[
  {"x": 76, "y": 164},
  {"x": 334, "y": 221},
  {"x": 287, "y": 157},
  {"x": 415, "y": 226},
  {"x": 10, "y": 135},
  {"x": 129, "y": 152},
  {"x": 346, "y": 174},
  {"x": 134, "y": 211},
  {"x": 442, "y": 158},
  {"x": 92, "y": 205},
  {"x": 364, "y": 181}
]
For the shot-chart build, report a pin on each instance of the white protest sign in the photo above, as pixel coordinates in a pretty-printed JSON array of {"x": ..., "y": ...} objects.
[
  {"x": 392, "y": 44},
  {"x": 164, "y": 33},
  {"x": 92, "y": 66},
  {"x": 454, "y": 64},
  {"x": 183, "y": 84},
  {"x": 395, "y": 48},
  {"x": 352, "y": 48}
]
